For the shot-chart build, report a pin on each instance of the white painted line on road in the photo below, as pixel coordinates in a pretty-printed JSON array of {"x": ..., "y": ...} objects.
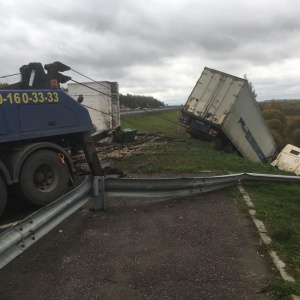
[
  {"x": 8, "y": 225},
  {"x": 258, "y": 223},
  {"x": 281, "y": 267}
]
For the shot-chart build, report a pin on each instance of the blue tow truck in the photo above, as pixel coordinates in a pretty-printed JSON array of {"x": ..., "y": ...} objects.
[{"x": 41, "y": 127}]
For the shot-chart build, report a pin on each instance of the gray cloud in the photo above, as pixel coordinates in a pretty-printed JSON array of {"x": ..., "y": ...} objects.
[{"x": 158, "y": 47}]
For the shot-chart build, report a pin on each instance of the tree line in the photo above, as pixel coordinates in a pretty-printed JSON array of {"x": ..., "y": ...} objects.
[
  {"x": 284, "y": 127},
  {"x": 138, "y": 101}
]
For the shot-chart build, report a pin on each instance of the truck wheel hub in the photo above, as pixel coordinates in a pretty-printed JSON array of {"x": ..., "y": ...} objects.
[{"x": 43, "y": 177}]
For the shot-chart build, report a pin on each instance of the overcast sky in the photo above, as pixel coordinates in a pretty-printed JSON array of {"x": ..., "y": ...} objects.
[{"x": 158, "y": 48}]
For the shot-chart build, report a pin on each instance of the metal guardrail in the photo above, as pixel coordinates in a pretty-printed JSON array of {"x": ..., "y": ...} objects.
[
  {"x": 21, "y": 236},
  {"x": 185, "y": 186},
  {"x": 18, "y": 238}
]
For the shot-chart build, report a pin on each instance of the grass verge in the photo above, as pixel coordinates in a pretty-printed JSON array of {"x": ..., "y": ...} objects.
[{"x": 278, "y": 206}]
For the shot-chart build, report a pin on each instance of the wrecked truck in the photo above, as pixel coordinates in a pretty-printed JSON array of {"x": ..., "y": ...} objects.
[
  {"x": 288, "y": 159},
  {"x": 222, "y": 108}
]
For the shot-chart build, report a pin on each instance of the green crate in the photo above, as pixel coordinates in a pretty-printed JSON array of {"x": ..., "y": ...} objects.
[{"x": 129, "y": 135}]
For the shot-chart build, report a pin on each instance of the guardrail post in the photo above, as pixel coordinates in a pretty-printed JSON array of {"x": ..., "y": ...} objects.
[{"x": 99, "y": 192}]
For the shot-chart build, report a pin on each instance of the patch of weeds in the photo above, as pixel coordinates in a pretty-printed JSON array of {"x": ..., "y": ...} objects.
[
  {"x": 283, "y": 234},
  {"x": 282, "y": 290},
  {"x": 240, "y": 202}
]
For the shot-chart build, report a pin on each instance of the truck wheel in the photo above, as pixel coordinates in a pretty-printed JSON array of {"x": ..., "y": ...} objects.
[
  {"x": 3, "y": 195},
  {"x": 43, "y": 178}
]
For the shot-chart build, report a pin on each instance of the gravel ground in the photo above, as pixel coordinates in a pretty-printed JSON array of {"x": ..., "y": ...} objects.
[{"x": 198, "y": 247}]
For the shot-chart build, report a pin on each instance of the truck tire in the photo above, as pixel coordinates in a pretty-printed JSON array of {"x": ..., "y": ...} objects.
[
  {"x": 43, "y": 178},
  {"x": 3, "y": 195}
]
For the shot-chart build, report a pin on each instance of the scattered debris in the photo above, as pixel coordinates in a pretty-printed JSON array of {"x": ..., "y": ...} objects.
[
  {"x": 111, "y": 152},
  {"x": 126, "y": 135}
]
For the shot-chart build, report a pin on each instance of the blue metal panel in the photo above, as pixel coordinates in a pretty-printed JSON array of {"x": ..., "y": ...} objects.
[
  {"x": 46, "y": 116},
  {"x": 27, "y": 114},
  {"x": 3, "y": 128}
]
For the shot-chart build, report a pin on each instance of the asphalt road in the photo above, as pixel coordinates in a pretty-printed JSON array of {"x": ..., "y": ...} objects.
[{"x": 199, "y": 247}]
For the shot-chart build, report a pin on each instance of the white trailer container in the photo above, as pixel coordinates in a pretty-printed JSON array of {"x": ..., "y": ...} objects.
[
  {"x": 222, "y": 107},
  {"x": 102, "y": 101}
]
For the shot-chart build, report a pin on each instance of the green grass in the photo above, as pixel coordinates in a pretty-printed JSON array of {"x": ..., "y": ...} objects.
[
  {"x": 282, "y": 290},
  {"x": 190, "y": 156},
  {"x": 277, "y": 205},
  {"x": 163, "y": 122}
]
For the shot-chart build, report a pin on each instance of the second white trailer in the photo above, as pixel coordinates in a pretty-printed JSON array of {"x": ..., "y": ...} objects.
[{"x": 102, "y": 101}]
